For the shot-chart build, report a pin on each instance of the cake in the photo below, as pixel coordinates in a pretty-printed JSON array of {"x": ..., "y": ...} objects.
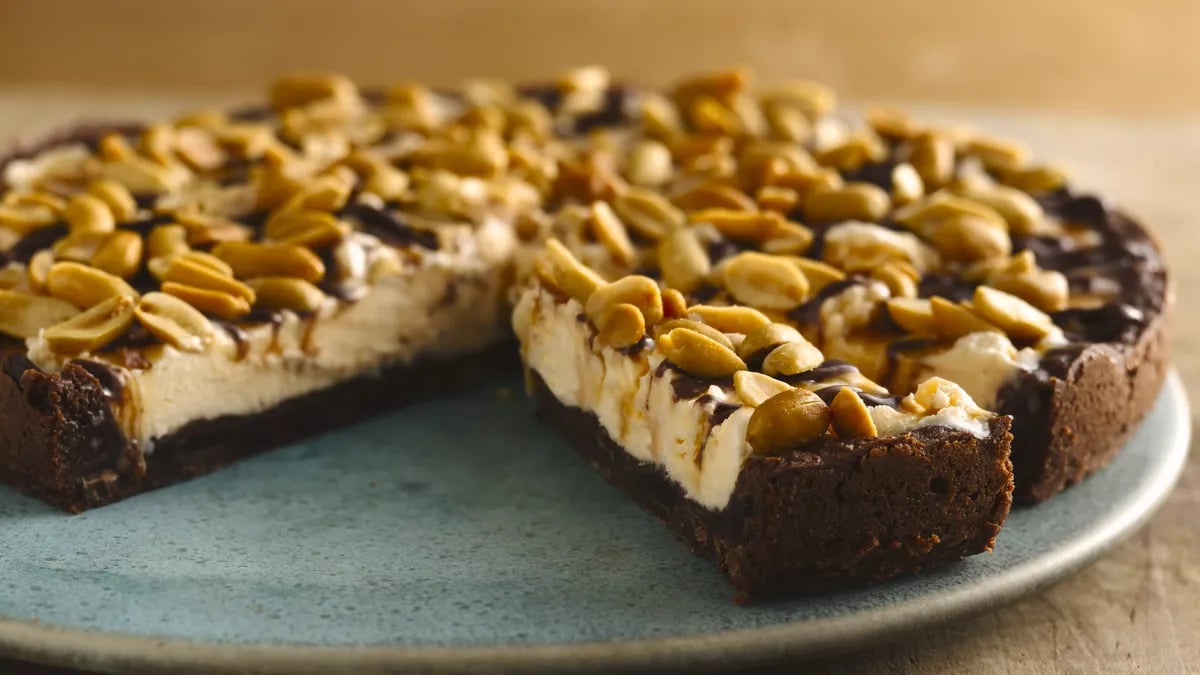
[{"x": 876, "y": 305}]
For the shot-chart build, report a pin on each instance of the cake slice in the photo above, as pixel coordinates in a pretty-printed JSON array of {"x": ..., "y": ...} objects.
[
  {"x": 184, "y": 294},
  {"x": 792, "y": 472}
]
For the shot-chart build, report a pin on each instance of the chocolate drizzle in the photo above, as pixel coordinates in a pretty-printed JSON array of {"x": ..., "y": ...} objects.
[
  {"x": 827, "y": 370},
  {"x": 112, "y": 383},
  {"x": 241, "y": 339},
  {"x": 38, "y": 239},
  {"x": 878, "y": 174},
  {"x": 637, "y": 347},
  {"x": 1108, "y": 323},
  {"x": 827, "y": 395},
  {"x": 719, "y": 411},
  {"x": 611, "y": 114},
  {"x": 16, "y": 364},
  {"x": 948, "y": 286},
  {"x": 809, "y": 313},
  {"x": 137, "y": 337},
  {"x": 389, "y": 227},
  {"x": 687, "y": 387},
  {"x": 899, "y": 347}
]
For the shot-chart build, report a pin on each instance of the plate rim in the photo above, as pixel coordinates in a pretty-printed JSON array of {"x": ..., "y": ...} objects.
[{"x": 114, "y": 652}]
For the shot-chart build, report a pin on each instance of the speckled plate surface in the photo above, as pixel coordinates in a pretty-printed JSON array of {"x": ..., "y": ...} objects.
[{"x": 460, "y": 535}]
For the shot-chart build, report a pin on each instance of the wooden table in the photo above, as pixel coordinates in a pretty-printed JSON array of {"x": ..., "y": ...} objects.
[{"x": 1136, "y": 610}]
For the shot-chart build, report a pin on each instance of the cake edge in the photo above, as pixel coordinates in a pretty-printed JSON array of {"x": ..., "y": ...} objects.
[
  {"x": 60, "y": 443},
  {"x": 1073, "y": 423},
  {"x": 770, "y": 541},
  {"x": 1080, "y": 422}
]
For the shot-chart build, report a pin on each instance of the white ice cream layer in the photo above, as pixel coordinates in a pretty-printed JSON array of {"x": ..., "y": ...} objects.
[
  {"x": 453, "y": 304},
  {"x": 639, "y": 409}
]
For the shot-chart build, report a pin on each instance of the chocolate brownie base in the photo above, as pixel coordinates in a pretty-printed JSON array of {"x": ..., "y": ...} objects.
[
  {"x": 60, "y": 443},
  {"x": 1076, "y": 411},
  {"x": 1074, "y": 422},
  {"x": 837, "y": 513}
]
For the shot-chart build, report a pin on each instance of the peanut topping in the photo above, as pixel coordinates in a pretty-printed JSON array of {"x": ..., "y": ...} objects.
[
  {"x": 851, "y": 418},
  {"x": 649, "y": 163},
  {"x": 854, "y": 201},
  {"x": 1015, "y": 316},
  {"x": 88, "y": 213},
  {"x": 932, "y": 156},
  {"x": 611, "y": 232},
  {"x": 85, "y": 286},
  {"x": 691, "y": 324},
  {"x": 754, "y": 388},
  {"x": 568, "y": 274},
  {"x": 970, "y": 238},
  {"x": 907, "y": 186},
  {"x": 174, "y": 321},
  {"x": 648, "y": 213},
  {"x": 116, "y": 197},
  {"x": 167, "y": 240},
  {"x": 729, "y": 319},
  {"x": 698, "y": 354},
  {"x": 819, "y": 274},
  {"x": 190, "y": 272},
  {"x": 120, "y": 254},
  {"x": 23, "y": 315},
  {"x": 900, "y": 277},
  {"x": 792, "y": 358},
  {"x": 216, "y": 303},
  {"x": 953, "y": 320},
  {"x": 714, "y": 196},
  {"x": 248, "y": 260},
  {"x": 1022, "y": 213},
  {"x": 765, "y": 338},
  {"x": 997, "y": 153},
  {"x": 93, "y": 328},
  {"x": 914, "y": 315},
  {"x": 741, "y": 225},
  {"x": 786, "y": 421},
  {"x": 683, "y": 261},
  {"x": 623, "y": 326},
  {"x": 699, "y": 192},
  {"x": 641, "y": 292},
  {"x": 288, "y": 293},
  {"x": 1036, "y": 179},
  {"x": 1048, "y": 290},
  {"x": 674, "y": 304},
  {"x": 765, "y": 281},
  {"x": 38, "y": 270}
]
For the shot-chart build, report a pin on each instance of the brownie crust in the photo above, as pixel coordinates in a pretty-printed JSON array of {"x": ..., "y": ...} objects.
[
  {"x": 835, "y": 513},
  {"x": 1076, "y": 411},
  {"x": 59, "y": 441}
]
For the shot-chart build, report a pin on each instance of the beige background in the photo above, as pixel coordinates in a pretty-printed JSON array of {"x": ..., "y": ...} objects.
[
  {"x": 1109, "y": 88},
  {"x": 1127, "y": 56}
]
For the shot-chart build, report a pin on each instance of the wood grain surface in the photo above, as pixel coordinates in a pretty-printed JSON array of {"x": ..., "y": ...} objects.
[
  {"x": 1135, "y": 611},
  {"x": 1116, "y": 55}
]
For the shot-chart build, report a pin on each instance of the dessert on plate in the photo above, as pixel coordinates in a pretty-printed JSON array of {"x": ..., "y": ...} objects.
[{"x": 801, "y": 340}]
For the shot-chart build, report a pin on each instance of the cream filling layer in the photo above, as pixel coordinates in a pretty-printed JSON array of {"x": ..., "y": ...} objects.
[
  {"x": 449, "y": 305},
  {"x": 639, "y": 409},
  {"x": 981, "y": 363}
]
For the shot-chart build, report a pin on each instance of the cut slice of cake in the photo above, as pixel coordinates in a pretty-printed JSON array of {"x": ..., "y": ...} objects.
[{"x": 792, "y": 472}]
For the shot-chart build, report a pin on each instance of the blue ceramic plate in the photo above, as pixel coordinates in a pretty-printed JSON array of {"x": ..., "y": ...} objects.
[{"x": 462, "y": 536}]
